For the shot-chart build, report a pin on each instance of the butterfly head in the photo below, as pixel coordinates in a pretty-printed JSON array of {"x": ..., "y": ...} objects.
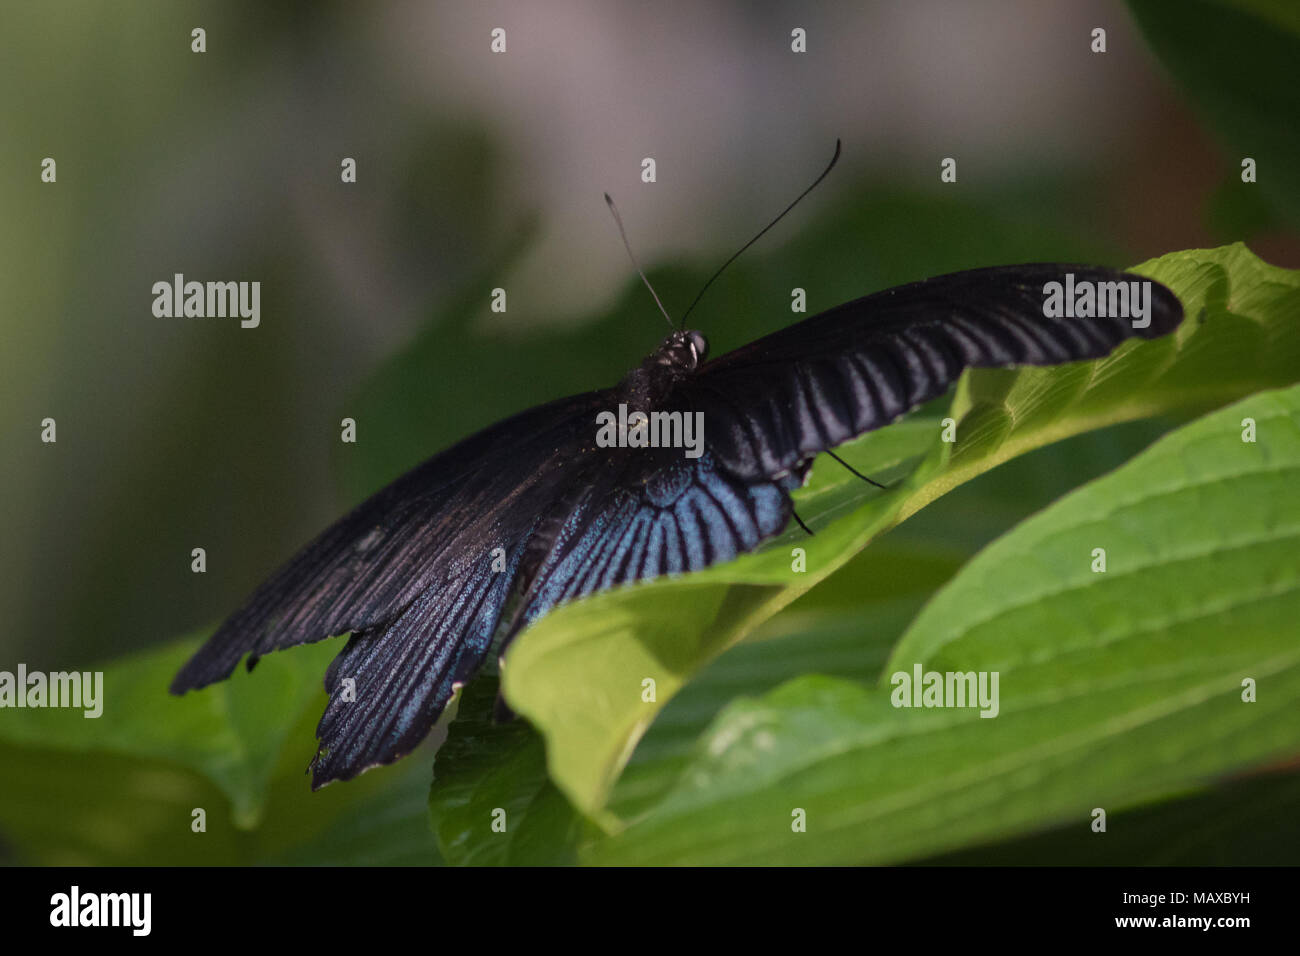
[{"x": 683, "y": 350}]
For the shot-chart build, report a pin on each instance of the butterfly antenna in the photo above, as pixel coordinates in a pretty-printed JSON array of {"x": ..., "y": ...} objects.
[
  {"x": 636, "y": 265},
  {"x": 825, "y": 172}
]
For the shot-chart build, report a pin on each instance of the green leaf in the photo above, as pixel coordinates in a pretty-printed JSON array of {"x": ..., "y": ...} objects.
[
  {"x": 847, "y": 626},
  {"x": 1247, "y": 821},
  {"x": 1237, "y": 62},
  {"x": 577, "y": 675},
  {"x": 120, "y": 789},
  {"x": 1116, "y": 688},
  {"x": 232, "y": 732},
  {"x": 491, "y": 802},
  {"x": 380, "y": 822}
]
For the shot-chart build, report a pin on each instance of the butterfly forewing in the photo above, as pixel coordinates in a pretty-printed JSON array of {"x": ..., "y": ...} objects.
[
  {"x": 359, "y": 573},
  {"x": 859, "y": 366}
]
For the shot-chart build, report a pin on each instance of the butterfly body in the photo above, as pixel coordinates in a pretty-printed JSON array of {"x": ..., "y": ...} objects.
[
  {"x": 534, "y": 511},
  {"x": 646, "y": 387}
]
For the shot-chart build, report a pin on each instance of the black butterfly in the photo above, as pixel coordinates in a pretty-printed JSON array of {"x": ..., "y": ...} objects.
[{"x": 421, "y": 573}]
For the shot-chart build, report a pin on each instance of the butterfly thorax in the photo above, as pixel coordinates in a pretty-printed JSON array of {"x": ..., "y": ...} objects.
[{"x": 676, "y": 358}]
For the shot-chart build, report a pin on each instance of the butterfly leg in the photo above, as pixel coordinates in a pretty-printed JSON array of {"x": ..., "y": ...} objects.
[
  {"x": 800, "y": 520},
  {"x": 854, "y": 470}
]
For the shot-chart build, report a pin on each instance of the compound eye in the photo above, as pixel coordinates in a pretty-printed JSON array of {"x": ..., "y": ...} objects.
[{"x": 699, "y": 344}]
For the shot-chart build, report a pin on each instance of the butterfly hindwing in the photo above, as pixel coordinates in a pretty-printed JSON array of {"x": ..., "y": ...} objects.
[
  {"x": 654, "y": 513},
  {"x": 390, "y": 684}
]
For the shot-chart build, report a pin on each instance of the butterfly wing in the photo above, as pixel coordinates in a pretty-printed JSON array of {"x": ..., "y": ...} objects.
[
  {"x": 654, "y": 512},
  {"x": 857, "y": 367},
  {"x": 419, "y": 574},
  {"x": 482, "y": 493},
  {"x": 391, "y": 682}
]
